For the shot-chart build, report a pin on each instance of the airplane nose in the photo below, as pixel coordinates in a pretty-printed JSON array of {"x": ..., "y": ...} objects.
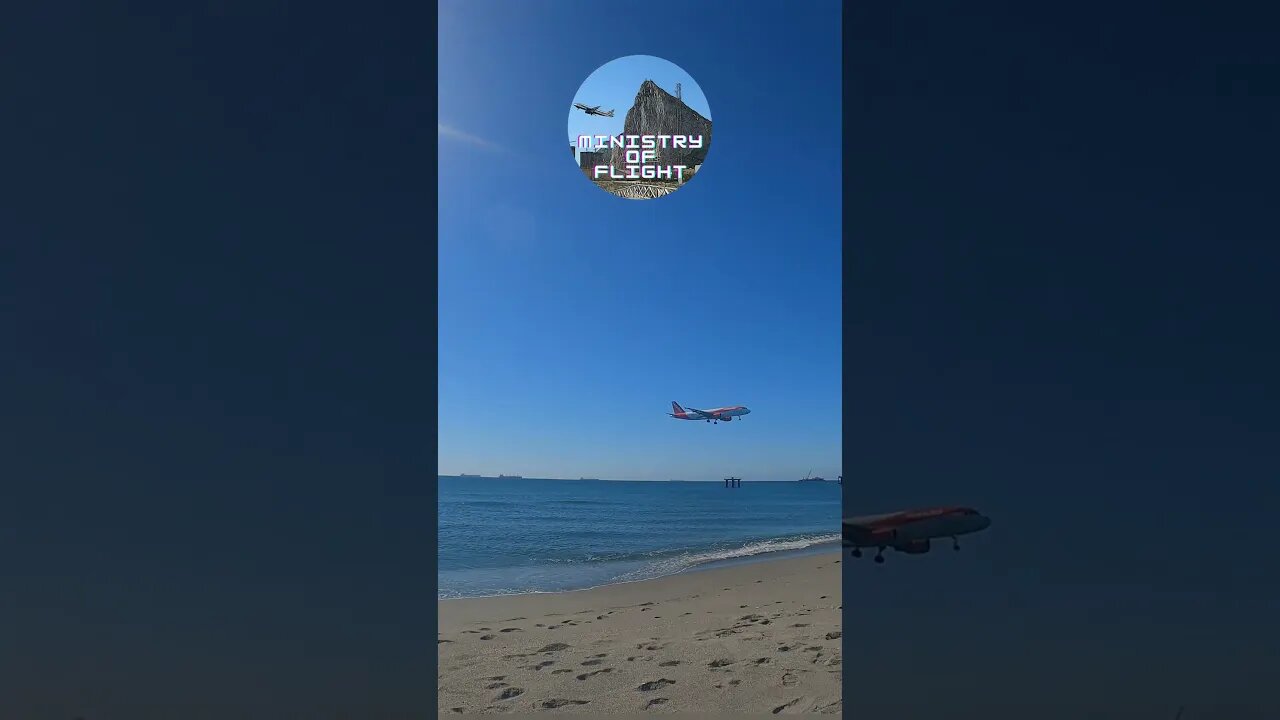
[{"x": 986, "y": 523}]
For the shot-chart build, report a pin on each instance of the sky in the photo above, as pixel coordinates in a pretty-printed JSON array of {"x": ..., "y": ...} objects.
[
  {"x": 570, "y": 319},
  {"x": 613, "y": 86}
]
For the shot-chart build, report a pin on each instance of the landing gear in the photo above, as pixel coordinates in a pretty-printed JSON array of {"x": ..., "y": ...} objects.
[
  {"x": 857, "y": 552},
  {"x": 880, "y": 557},
  {"x": 955, "y": 544}
]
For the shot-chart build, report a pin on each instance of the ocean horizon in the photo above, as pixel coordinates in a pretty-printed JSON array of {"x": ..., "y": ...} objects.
[{"x": 506, "y": 536}]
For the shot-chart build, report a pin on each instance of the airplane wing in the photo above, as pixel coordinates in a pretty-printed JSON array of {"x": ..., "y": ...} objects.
[{"x": 701, "y": 413}]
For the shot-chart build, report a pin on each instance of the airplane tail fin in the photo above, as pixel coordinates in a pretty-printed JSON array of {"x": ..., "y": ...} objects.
[{"x": 676, "y": 409}]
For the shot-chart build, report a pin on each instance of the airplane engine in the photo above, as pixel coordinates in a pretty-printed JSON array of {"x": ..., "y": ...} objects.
[
  {"x": 913, "y": 547},
  {"x": 725, "y": 419}
]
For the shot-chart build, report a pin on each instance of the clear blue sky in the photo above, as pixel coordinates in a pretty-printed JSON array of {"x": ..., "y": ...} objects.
[
  {"x": 570, "y": 319},
  {"x": 613, "y": 86}
]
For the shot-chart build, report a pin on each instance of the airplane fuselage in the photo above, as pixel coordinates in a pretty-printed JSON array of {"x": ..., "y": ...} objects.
[
  {"x": 910, "y": 531},
  {"x": 721, "y": 414}
]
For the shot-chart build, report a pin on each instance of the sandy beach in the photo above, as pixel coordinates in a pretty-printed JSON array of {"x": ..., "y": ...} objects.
[{"x": 756, "y": 639}]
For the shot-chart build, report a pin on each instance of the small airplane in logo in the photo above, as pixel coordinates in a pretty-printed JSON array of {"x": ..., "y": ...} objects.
[
  {"x": 712, "y": 416},
  {"x": 593, "y": 110}
]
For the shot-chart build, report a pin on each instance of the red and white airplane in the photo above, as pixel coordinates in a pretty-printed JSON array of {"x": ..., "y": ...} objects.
[
  {"x": 712, "y": 416},
  {"x": 910, "y": 531}
]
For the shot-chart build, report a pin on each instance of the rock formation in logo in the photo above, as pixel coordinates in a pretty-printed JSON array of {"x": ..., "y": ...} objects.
[{"x": 658, "y": 112}]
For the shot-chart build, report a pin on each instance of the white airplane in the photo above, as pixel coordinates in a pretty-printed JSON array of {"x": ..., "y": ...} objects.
[
  {"x": 593, "y": 110},
  {"x": 910, "y": 531},
  {"x": 714, "y": 415}
]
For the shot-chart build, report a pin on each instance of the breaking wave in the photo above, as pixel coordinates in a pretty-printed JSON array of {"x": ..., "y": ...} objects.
[{"x": 663, "y": 563}]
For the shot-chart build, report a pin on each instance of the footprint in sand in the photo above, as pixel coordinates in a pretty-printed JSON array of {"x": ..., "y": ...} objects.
[
  {"x": 562, "y": 670},
  {"x": 801, "y": 625},
  {"x": 511, "y": 630},
  {"x": 494, "y": 686},
  {"x": 539, "y": 625},
  {"x": 655, "y": 702},
  {"x": 591, "y": 662},
  {"x": 487, "y": 637},
  {"x": 655, "y": 684},
  {"x": 720, "y": 663},
  {"x": 786, "y": 706},
  {"x": 441, "y": 642},
  {"x": 495, "y": 677},
  {"x": 510, "y": 693},
  {"x": 554, "y": 647},
  {"x": 669, "y": 663},
  {"x": 811, "y": 648},
  {"x": 584, "y": 676},
  {"x": 735, "y": 681},
  {"x": 763, "y": 661},
  {"x": 543, "y": 664},
  {"x": 789, "y": 679},
  {"x": 834, "y": 634},
  {"x": 559, "y": 702}
]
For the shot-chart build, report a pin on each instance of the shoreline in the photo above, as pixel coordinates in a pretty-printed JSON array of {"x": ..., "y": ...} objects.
[
  {"x": 753, "y": 638},
  {"x": 770, "y": 556}
]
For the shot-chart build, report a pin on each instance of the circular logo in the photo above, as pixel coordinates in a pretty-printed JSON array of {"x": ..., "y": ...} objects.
[{"x": 639, "y": 127}]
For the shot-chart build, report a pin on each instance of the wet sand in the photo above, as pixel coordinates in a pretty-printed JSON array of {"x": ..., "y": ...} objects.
[{"x": 757, "y": 639}]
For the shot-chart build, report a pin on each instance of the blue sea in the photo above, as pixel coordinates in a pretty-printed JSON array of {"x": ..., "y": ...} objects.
[{"x": 510, "y": 536}]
